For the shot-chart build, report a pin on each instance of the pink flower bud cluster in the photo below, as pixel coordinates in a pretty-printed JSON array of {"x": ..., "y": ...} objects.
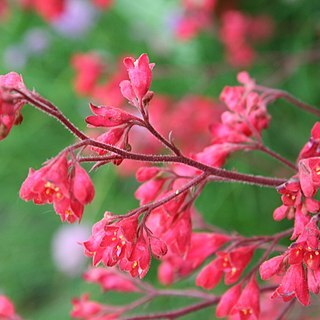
[
  {"x": 202, "y": 245},
  {"x": 197, "y": 16},
  {"x": 124, "y": 244},
  {"x": 236, "y": 30},
  {"x": 247, "y": 115},
  {"x": 300, "y": 264},
  {"x": 10, "y": 103},
  {"x": 94, "y": 79},
  {"x": 62, "y": 182},
  {"x": 237, "y": 33}
]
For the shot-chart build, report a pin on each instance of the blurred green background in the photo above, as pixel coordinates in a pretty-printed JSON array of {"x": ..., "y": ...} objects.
[{"x": 27, "y": 272}]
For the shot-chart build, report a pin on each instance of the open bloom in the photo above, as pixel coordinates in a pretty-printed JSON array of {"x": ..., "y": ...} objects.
[
  {"x": 67, "y": 186},
  {"x": 231, "y": 263}
]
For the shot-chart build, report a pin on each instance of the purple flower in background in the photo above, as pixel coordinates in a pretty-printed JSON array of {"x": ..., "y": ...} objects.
[
  {"x": 67, "y": 253},
  {"x": 77, "y": 19},
  {"x": 36, "y": 41},
  {"x": 14, "y": 57}
]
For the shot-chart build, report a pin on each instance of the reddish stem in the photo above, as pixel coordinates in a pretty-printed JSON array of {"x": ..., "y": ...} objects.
[
  {"x": 223, "y": 173},
  {"x": 151, "y": 206},
  {"x": 290, "y": 98},
  {"x": 277, "y": 156},
  {"x": 230, "y": 175},
  {"x": 178, "y": 312}
]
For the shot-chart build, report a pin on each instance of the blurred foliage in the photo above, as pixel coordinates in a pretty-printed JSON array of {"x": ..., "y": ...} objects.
[{"x": 27, "y": 273}]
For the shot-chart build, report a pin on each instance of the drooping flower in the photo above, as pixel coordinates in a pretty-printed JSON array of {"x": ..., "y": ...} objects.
[
  {"x": 105, "y": 116},
  {"x": 10, "y": 105},
  {"x": 309, "y": 175},
  {"x": 228, "y": 301},
  {"x": 86, "y": 309},
  {"x": 110, "y": 279},
  {"x": 294, "y": 284},
  {"x": 248, "y": 304},
  {"x": 229, "y": 263},
  {"x": 67, "y": 186}
]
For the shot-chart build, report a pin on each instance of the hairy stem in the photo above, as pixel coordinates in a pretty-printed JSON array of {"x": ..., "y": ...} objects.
[
  {"x": 290, "y": 98},
  {"x": 230, "y": 175}
]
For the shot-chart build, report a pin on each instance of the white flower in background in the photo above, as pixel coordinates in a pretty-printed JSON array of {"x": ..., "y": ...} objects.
[{"x": 67, "y": 253}]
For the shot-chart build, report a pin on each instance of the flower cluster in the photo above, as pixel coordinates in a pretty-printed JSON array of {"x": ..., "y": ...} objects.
[
  {"x": 196, "y": 17},
  {"x": 230, "y": 263},
  {"x": 10, "y": 103},
  {"x": 166, "y": 224},
  {"x": 237, "y": 33},
  {"x": 300, "y": 264},
  {"x": 240, "y": 303},
  {"x": 236, "y": 30},
  {"x": 123, "y": 244},
  {"x": 62, "y": 182}
]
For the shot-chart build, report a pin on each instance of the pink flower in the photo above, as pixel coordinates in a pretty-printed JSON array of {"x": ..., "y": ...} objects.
[
  {"x": 228, "y": 301},
  {"x": 248, "y": 305},
  {"x": 234, "y": 262},
  {"x": 113, "y": 137},
  {"x": 85, "y": 309},
  {"x": 109, "y": 279},
  {"x": 48, "y": 184},
  {"x": 146, "y": 173},
  {"x": 231, "y": 263},
  {"x": 88, "y": 69},
  {"x": 294, "y": 284},
  {"x": 140, "y": 74},
  {"x": 312, "y": 147},
  {"x": 309, "y": 175},
  {"x": 158, "y": 247},
  {"x": 50, "y": 9},
  {"x": 138, "y": 262},
  {"x": 149, "y": 190},
  {"x": 233, "y": 98},
  {"x": 202, "y": 246},
  {"x": 210, "y": 275},
  {"x": 67, "y": 186},
  {"x": 271, "y": 267},
  {"x": 7, "y": 310},
  {"x": 118, "y": 244},
  {"x": 216, "y": 154},
  {"x": 109, "y": 117},
  {"x": 82, "y": 188}
]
